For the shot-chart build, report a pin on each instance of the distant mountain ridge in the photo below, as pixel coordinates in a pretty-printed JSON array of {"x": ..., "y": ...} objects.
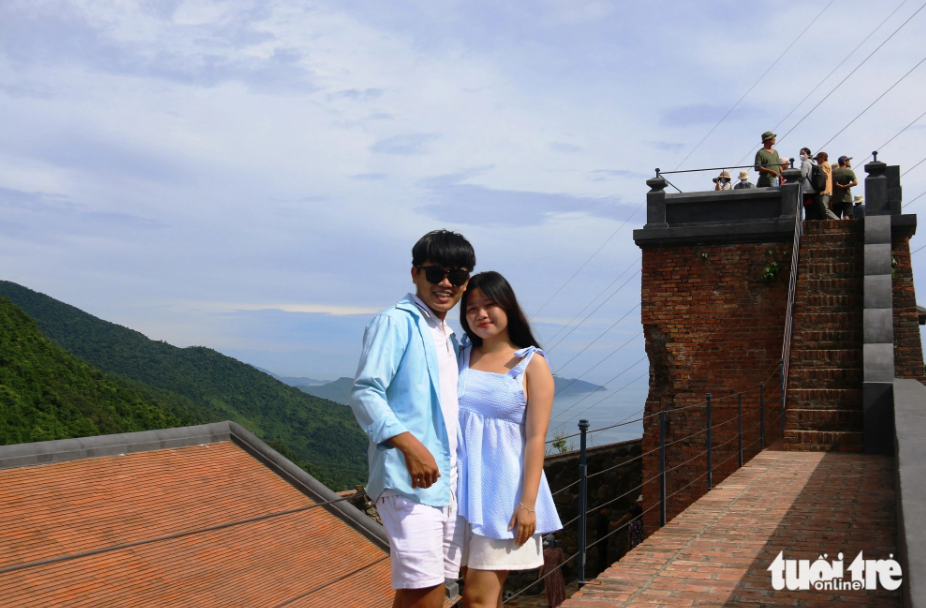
[
  {"x": 295, "y": 381},
  {"x": 565, "y": 386},
  {"x": 339, "y": 390},
  {"x": 321, "y": 433}
]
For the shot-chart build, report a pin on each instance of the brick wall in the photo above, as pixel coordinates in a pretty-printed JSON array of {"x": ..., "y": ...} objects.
[
  {"x": 908, "y": 348},
  {"x": 712, "y": 324}
]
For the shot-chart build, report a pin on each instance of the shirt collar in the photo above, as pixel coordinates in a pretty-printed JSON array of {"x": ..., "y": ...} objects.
[{"x": 427, "y": 312}]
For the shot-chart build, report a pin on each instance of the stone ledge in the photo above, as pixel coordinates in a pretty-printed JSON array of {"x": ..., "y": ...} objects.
[{"x": 910, "y": 445}]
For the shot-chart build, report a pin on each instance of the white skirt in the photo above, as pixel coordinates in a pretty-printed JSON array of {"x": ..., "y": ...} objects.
[{"x": 484, "y": 553}]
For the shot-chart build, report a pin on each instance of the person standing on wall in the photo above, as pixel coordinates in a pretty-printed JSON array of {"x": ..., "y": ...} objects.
[
  {"x": 813, "y": 205},
  {"x": 843, "y": 181},
  {"x": 826, "y": 196},
  {"x": 768, "y": 165},
  {"x": 405, "y": 399}
]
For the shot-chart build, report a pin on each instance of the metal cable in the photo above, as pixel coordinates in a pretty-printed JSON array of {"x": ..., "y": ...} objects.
[
  {"x": 587, "y": 346},
  {"x": 914, "y": 166},
  {"x": 584, "y": 264},
  {"x": 624, "y": 371},
  {"x": 868, "y": 107},
  {"x": 646, "y": 373},
  {"x": 567, "y": 487},
  {"x": 612, "y": 353},
  {"x": 764, "y": 74},
  {"x": 610, "y": 285},
  {"x": 565, "y": 561},
  {"x": 911, "y": 202},
  {"x": 851, "y": 73},
  {"x": 882, "y": 146},
  {"x": 827, "y": 77}
]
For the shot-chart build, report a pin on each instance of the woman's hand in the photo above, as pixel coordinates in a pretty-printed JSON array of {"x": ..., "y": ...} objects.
[{"x": 524, "y": 523}]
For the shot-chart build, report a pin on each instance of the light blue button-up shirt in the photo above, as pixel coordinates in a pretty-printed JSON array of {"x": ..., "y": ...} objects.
[{"x": 397, "y": 389}]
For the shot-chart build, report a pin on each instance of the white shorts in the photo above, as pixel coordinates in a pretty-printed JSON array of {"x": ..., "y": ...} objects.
[
  {"x": 483, "y": 553},
  {"x": 425, "y": 543}
]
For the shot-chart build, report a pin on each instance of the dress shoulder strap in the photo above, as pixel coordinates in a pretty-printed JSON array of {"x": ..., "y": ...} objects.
[{"x": 525, "y": 354}]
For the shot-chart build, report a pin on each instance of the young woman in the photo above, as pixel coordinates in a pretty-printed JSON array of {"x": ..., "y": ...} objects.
[{"x": 506, "y": 396}]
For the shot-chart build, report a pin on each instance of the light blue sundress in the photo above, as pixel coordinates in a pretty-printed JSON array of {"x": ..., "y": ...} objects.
[{"x": 493, "y": 410}]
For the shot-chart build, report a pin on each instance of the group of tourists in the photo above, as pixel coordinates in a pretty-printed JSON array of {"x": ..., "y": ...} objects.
[{"x": 827, "y": 189}]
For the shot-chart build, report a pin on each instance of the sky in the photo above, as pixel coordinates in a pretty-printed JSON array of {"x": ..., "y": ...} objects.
[{"x": 251, "y": 175}]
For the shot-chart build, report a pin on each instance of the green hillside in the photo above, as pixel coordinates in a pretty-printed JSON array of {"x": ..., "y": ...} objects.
[
  {"x": 321, "y": 433},
  {"x": 47, "y": 393}
]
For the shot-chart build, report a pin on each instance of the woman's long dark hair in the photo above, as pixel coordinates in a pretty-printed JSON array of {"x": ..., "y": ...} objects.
[{"x": 497, "y": 289}]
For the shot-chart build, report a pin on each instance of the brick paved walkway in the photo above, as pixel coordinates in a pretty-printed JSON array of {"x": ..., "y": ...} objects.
[{"x": 716, "y": 552}]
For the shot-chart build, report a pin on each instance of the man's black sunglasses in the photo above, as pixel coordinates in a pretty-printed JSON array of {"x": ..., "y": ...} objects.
[{"x": 436, "y": 274}]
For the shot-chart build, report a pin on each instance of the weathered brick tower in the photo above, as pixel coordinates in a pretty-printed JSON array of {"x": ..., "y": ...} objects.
[{"x": 715, "y": 290}]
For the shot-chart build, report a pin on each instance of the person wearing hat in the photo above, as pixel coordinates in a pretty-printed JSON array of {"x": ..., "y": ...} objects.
[
  {"x": 722, "y": 182},
  {"x": 744, "y": 181},
  {"x": 768, "y": 165},
  {"x": 843, "y": 181}
]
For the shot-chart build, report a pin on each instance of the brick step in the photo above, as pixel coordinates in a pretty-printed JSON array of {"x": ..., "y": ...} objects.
[
  {"x": 825, "y": 398},
  {"x": 818, "y": 269},
  {"x": 816, "y": 320},
  {"x": 844, "y": 357},
  {"x": 846, "y": 302},
  {"x": 822, "y": 377},
  {"x": 842, "y": 252},
  {"x": 822, "y": 441},
  {"x": 824, "y": 420},
  {"x": 809, "y": 339},
  {"x": 853, "y": 286}
]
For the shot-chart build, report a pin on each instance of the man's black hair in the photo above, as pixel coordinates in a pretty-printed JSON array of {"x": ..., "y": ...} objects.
[{"x": 444, "y": 248}]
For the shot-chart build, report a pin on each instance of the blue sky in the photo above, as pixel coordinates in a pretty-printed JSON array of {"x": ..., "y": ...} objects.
[{"x": 251, "y": 175}]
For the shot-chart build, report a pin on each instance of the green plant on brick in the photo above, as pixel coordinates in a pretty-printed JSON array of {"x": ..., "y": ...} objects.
[
  {"x": 770, "y": 273},
  {"x": 893, "y": 268}
]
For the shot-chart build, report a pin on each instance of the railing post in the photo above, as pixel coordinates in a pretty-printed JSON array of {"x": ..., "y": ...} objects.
[
  {"x": 583, "y": 498},
  {"x": 739, "y": 424},
  {"x": 710, "y": 468},
  {"x": 761, "y": 416},
  {"x": 782, "y": 375},
  {"x": 662, "y": 468}
]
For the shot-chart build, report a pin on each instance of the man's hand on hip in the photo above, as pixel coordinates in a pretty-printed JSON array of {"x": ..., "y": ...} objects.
[{"x": 420, "y": 462}]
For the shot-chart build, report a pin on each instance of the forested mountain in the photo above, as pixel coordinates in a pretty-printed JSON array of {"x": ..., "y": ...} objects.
[
  {"x": 47, "y": 393},
  {"x": 204, "y": 383}
]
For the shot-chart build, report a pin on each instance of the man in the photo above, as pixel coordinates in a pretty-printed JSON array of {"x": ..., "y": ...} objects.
[
  {"x": 843, "y": 181},
  {"x": 405, "y": 399},
  {"x": 826, "y": 195},
  {"x": 744, "y": 182},
  {"x": 767, "y": 162}
]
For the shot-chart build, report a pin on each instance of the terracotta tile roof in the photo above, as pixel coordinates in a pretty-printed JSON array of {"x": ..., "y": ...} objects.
[{"x": 53, "y": 511}]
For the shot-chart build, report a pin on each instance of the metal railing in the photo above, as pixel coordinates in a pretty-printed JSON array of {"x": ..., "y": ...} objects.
[
  {"x": 789, "y": 313},
  {"x": 761, "y": 414}
]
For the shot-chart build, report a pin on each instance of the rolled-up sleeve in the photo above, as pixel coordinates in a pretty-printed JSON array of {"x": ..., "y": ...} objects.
[{"x": 384, "y": 343}]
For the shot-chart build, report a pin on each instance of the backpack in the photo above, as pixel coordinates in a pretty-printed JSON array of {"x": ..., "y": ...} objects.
[{"x": 817, "y": 178}]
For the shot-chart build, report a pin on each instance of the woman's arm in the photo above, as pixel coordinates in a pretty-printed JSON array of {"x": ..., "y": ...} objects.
[{"x": 540, "y": 390}]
